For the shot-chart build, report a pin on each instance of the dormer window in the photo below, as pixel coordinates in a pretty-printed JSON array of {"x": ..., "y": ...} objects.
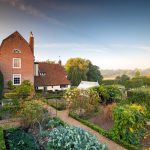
[
  {"x": 16, "y": 51},
  {"x": 42, "y": 73}
]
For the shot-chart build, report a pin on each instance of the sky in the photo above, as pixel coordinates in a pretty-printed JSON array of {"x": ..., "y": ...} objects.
[{"x": 113, "y": 34}]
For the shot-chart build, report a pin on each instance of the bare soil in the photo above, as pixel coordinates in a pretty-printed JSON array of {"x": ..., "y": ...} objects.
[{"x": 102, "y": 122}]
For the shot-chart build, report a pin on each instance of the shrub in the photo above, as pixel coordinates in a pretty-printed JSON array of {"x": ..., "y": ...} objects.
[
  {"x": 10, "y": 85},
  {"x": 129, "y": 123},
  {"x": 12, "y": 107},
  {"x": 24, "y": 90},
  {"x": 83, "y": 102},
  {"x": 58, "y": 106},
  {"x": 18, "y": 139},
  {"x": 1, "y": 84},
  {"x": 139, "y": 97},
  {"x": 108, "y": 94},
  {"x": 32, "y": 112},
  {"x": 73, "y": 138},
  {"x": 2, "y": 141}
]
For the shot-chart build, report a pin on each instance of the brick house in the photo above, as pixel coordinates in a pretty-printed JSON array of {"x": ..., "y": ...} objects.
[{"x": 17, "y": 63}]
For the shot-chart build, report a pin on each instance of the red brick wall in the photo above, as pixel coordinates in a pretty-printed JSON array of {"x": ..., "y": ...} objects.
[{"x": 7, "y": 55}]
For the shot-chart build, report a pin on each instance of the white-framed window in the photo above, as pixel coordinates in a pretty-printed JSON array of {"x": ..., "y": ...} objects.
[
  {"x": 16, "y": 62},
  {"x": 16, "y": 79}
]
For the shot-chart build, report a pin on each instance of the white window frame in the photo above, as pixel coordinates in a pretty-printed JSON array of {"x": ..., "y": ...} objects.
[
  {"x": 19, "y": 64},
  {"x": 19, "y": 77}
]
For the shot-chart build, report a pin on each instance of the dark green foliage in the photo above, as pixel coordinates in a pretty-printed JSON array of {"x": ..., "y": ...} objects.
[
  {"x": 103, "y": 132},
  {"x": 1, "y": 84},
  {"x": 108, "y": 94},
  {"x": 58, "y": 105},
  {"x": 122, "y": 79},
  {"x": 2, "y": 141},
  {"x": 68, "y": 138},
  {"x": 94, "y": 73},
  {"x": 108, "y": 82},
  {"x": 139, "y": 97},
  {"x": 18, "y": 139},
  {"x": 79, "y": 69},
  {"x": 10, "y": 85}
]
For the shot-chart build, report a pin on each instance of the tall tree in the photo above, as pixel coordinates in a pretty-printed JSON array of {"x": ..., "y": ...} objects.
[
  {"x": 93, "y": 73},
  {"x": 77, "y": 69}
]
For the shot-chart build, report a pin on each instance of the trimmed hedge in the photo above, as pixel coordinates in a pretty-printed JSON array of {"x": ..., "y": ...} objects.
[
  {"x": 58, "y": 106},
  {"x": 104, "y": 132},
  {"x": 2, "y": 141}
]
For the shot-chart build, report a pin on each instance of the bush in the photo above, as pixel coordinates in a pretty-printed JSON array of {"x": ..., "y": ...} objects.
[
  {"x": 73, "y": 138},
  {"x": 58, "y": 106},
  {"x": 129, "y": 123},
  {"x": 83, "y": 102},
  {"x": 32, "y": 112},
  {"x": 10, "y": 85},
  {"x": 1, "y": 85},
  {"x": 139, "y": 97},
  {"x": 18, "y": 139},
  {"x": 24, "y": 90},
  {"x": 108, "y": 94},
  {"x": 12, "y": 107},
  {"x": 2, "y": 141}
]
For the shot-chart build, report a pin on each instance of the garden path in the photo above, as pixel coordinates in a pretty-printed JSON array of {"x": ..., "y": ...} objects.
[{"x": 63, "y": 115}]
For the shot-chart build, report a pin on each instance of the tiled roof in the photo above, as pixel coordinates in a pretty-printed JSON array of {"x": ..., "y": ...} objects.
[{"x": 54, "y": 75}]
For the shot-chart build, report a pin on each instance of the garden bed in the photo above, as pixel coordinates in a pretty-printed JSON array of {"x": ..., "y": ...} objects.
[{"x": 59, "y": 104}]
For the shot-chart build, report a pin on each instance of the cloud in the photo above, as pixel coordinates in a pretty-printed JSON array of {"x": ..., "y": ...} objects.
[
  {"x": 22, "y": 6},
  {"x": 132, "y": 46},
  {"x": 74, "y": 47}
]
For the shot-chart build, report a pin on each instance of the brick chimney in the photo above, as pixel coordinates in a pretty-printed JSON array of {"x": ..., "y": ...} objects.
[{"x": 31, "y": 42}]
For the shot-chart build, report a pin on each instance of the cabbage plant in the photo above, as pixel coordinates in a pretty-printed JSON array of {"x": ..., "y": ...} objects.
[{"x": 73, "y": 138}]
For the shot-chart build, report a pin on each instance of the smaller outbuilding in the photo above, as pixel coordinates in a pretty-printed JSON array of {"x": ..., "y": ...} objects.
[
  {"x": 50, "y": 77},
  {"x": 87, "y": 84}
]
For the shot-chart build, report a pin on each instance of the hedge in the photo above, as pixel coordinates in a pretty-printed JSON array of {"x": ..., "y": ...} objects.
[
  {"x": 2, "y": 141},
  {"x": 58, "y": 106},
  {"x": 103, "y": 132}
]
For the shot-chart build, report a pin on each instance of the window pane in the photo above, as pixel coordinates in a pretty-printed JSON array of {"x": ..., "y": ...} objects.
[
  {"x": 17, "y": 79},
  {"x": 17, "y": 63}
]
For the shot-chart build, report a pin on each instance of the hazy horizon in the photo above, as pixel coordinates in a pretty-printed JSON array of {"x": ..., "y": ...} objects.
[{"x": 113, "y": 34}]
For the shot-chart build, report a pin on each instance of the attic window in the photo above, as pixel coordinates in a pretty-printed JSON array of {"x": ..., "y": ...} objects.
[
  {"x": 42, "y": 73},
  {"x": 17, "y": 51}
]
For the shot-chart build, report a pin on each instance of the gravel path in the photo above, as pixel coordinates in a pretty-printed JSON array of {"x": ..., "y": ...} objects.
[{"x": 63, "y": 115}]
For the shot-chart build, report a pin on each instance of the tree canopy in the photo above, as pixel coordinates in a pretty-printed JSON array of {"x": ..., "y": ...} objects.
[{"x": 79, "y": 69}]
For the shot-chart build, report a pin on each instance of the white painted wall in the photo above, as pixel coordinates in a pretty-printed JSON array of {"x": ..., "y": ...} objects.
[
  {"x": 36, "y": 69},
  {"x": 53, "y": 88}
]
